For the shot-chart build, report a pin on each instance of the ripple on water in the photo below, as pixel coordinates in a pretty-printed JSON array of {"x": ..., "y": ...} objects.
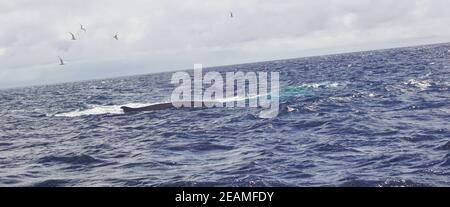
[
  {"x": 55, "y": 183},
  {"x": 445, "y": 146},
  {"x": 385, "y": 183},
  {"x": 70, "y": 159},
  {"x": 330, "y": 148},
  {"x": 200, "y": 147}
]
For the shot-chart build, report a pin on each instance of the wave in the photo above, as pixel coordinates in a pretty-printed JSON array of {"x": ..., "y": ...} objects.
[
  {"x": 70, "y": 159},
  {"x": 54, "y": 183},
  {"x": 385, "y": 183}
]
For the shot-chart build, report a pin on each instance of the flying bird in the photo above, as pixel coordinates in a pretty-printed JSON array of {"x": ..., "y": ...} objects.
[
  {"x": 116, "y": 36},
  {"x": 61, "y": 61},
  {"x": 82, "y": 28},
  {"x": 231, "y": 14},
  {"x": 73, "y": 36}
]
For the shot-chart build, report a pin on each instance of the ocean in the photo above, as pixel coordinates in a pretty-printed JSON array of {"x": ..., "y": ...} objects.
[{"x": 376, "y": 118}]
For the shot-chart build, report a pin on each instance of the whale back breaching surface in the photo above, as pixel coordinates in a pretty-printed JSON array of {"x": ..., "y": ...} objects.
[
  {"x": 163, "y": 106},
  {"x": 285, "y": 94},
  {"x": 155, "y": 107}
]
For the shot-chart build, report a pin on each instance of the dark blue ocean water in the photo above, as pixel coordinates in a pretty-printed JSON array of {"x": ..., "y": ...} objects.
[{"x": 377, "y": 118}]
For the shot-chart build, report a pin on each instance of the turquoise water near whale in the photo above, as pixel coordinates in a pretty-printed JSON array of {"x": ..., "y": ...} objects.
[{"x": 377, "y": 118}]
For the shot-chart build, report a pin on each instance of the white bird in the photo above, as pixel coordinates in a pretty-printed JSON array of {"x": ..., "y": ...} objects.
[
  {"x": 116, "y": 36},
  {"x": 82, "y": 28},
  {"x": 73, "y": 36},
  {"x": 61, "y": 61}
]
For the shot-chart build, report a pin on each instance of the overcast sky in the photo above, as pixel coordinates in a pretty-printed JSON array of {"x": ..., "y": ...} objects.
[{"x": 163, "y": 35}]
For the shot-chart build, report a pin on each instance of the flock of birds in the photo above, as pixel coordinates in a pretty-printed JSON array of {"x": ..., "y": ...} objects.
[
  {"x": 73, "y": 38},
  {"x": 116, "y": 37}
]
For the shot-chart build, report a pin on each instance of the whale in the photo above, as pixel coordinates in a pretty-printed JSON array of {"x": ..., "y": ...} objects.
[
  {"x": 164, "y": 106},
  {"x": 154, "y": 107},
  {"x": 286, "y": 93}
]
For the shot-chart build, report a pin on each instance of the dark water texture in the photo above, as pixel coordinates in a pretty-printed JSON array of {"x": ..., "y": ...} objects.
[{"x": 377, "y": 118}]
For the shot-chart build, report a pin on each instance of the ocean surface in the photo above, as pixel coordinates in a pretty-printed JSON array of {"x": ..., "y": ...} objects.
[{"x": 378, "y": 118}]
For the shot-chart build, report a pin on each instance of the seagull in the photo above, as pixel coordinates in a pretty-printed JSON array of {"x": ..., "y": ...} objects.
[
  {"x": 116, "y": 36},
  {"x": 231, "y": 14},
  {"x": 61, "y": 61},
  {"x": 82, "y": 28},
  {"x": 73, "y": 36}
]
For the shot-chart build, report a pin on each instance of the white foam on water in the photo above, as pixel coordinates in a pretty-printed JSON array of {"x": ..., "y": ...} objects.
[
  {"x": 290, "y": 109},
  {"x": 311, "y": 107},
  {"x": 268, "y": 114},
  {"x": 342, "y": 99},
  {"x": 326, "y": 84},
  {"x": 99, "y": 110},
  {"x": 445, "y": 110},
  {"x": 424, "y": 84}
]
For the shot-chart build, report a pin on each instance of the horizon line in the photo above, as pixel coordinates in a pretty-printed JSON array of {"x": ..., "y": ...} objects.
[{"x": 226, "y": 65}]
